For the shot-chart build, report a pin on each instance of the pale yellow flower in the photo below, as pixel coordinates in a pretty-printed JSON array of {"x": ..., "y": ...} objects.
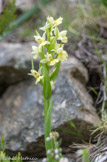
[
  {"x": 41, "y": 40},
  {"x": 36, "y": 75},
  {"x": 62, "y": 55},
  {"x": 36, "y": 51},
  {"x": 61, "y": 35},
  {"x": 44, "y": 28},
  {"x": 57, "y": 46},
  {"x": 52, "y": 23},
  {"x": 50, "y": 60}
]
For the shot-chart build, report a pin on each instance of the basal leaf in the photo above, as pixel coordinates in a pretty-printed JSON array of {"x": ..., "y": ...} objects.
[{"x": 48, "y": 120}]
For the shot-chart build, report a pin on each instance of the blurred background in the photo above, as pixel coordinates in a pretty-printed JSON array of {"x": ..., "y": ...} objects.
[{"x": 86, "y": 23}]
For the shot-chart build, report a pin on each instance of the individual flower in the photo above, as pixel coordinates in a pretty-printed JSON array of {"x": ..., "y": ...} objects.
[
  {"x": 49, "y": 151},
  {"x": 36, "y": 51},
  {"x": 57, "y": 46},
  {"x": 62, "y": 54},
  {"x": 50, "y": 60},
  {"x": 36, "y": 75},
  {"x": 56, "y": 151},
  {"x": 41, "y": 40},
  {"x": 48, "y": 139},
  {"x": 62, "y": 36},
  {"x": 52, "y": 23},
  {"x": 56, "y": 157}
]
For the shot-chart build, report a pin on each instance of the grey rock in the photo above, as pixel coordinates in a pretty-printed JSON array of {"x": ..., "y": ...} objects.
[
  {"x": 76, "y": 70},
  {"x": 24, "y": 4},
  {"x": 15, "y": 62},
  {"x": 22, "y": 116}
]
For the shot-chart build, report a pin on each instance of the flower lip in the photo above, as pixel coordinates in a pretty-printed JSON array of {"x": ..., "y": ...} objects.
[
  {"x": 50, "y": 60},
  {"x": 41, "y": 40},
  {"x": 36, "y": 75}
]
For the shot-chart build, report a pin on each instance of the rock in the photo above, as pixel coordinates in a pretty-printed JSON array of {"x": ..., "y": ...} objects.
[
  {"x": 22, "y": 116},
  {"x": 25, "y": 5},
  {"x": 15, "y": 62},
  {"x": 77, "y": 70}
]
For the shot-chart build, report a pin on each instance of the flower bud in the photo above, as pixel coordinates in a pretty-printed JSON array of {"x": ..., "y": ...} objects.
[
  {"x": 48, "y": 139},
  {"x": 56, "y": 151},
  {"x": 56, "y": 157}
]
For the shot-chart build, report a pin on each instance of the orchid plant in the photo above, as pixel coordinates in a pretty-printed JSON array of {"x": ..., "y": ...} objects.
[{"x": 50, "y": 49}]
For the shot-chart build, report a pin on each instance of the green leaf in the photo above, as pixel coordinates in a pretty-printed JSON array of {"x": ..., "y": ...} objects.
[
  {"x": 48, "y": 120},
  {"x": 54, "y": 75},
  {"x": 32, "y": 63},
  {"x": 3, "y": 144},
  {"x": 48, "y": 144},
  {"x": 47, "y": 85},
  {"x": 85, "y": 156},
  {"x": 73, "y": 125},
  {"x": 94, "y": 91},
  {"x": 40, "y": 71},
  {"x": 71, "y": 132}
]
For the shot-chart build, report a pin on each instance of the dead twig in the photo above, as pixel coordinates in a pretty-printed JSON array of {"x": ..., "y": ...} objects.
[{"x": 104, "y": 89}]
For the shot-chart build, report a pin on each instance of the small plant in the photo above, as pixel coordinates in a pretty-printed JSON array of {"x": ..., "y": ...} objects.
[
  {"x": 85, "y": 155},
  {"x": 4, "y": 157},
  {"x": 51, "y": 53}
]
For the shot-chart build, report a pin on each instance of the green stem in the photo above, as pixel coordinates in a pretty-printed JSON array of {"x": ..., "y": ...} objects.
[{"x": 46, "y": 106}]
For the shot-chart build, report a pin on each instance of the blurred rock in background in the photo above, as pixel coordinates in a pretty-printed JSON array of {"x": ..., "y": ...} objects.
[{"x": 25, "y": 4}]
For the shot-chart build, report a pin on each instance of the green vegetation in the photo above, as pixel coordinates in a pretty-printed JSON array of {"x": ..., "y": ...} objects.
[
  {"x": 7, "y": 16},
  {"x": 8, "y": 25},
  {"x": 4, "y": 157}
]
